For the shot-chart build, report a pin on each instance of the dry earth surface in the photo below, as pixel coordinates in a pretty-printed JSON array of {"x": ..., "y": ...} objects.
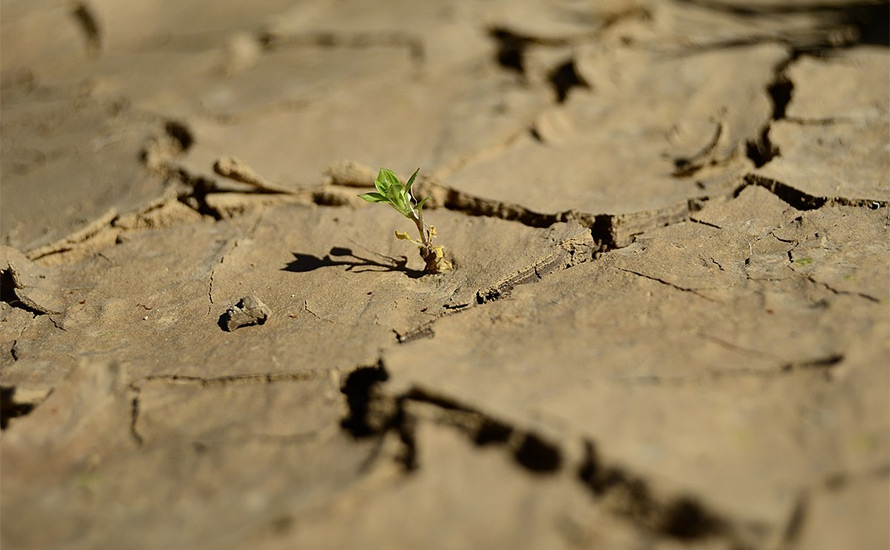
[{"x": 668, "y": 324}]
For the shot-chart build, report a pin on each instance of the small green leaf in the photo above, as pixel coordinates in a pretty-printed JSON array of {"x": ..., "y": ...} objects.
[
  {"x": 398, "y": 198},
  {"x": 374, "y": 197},
  {"x": 419, "y": 205},
  {"x": 411, "y": 180},
  {"x": 386, "y": 178},
  {"x": 803, "y": 261},
  {"x": 392, "y": 191}
]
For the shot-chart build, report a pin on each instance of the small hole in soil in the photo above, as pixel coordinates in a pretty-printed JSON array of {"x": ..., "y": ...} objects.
[
  {"x": 761, "y": 151},
  {"x": 538, "y": 455},
  {"x": 492, "y": 433},
  {"x": 687, "y": 520},
  {"x": 510, "y": 49},
  {"x": 565, "y": 77},
  {"x": 181, "y": 133},
  {"x": 780, "y": 93}
]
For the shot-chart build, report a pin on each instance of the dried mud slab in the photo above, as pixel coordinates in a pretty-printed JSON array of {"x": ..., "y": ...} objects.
[
  {"x": 843, "y": 85},
  {"x": 225, "y": 441},
  {"x": 682, "y": 338},
  {"x": 24, "y": 28},
  {"x": 81, "y": 165},
  {"x": 146, "y": 24},
  {"x": 555, "y": 513},
  {"x": 53, "y": 438},
  {"x": 833, "y": 144},
  {"x": 718, "y": 24},
  {"x": 847, "y": 162},
  {"x": 842, "y": 503},
  {"x": 655, "y": 130},
  {"x": 28, "y": 283},
  {"x": 338, "y": 307},
  {"x": 340, "y": 283},
  {"x": 431, "y": 120},
  {"x": 310, "y": 77}
]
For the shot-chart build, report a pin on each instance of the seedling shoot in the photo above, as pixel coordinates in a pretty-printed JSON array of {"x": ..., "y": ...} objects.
[{"x": 392, "y": 191}]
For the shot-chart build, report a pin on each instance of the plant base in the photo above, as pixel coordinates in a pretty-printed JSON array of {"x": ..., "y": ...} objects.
[{"x": 434, "y": 257}]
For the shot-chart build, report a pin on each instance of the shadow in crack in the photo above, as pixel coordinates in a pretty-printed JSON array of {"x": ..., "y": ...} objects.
[
  {"x": 353, "y": 262},
  {"x": 360, "y": 389},
  {"x": 10, "y": 408}
]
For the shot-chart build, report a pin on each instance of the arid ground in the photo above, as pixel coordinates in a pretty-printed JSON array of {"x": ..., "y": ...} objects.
[{"x": 668, "y": 325}]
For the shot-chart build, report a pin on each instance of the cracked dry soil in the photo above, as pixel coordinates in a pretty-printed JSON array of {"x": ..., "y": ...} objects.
[{"x": 668, "y": 324}]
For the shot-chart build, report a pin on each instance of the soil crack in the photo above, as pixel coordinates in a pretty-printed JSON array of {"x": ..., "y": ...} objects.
[
  {"x": 89, "y": 25},
  {"x": 569, "y": 253},
  {"x": 134, "y": 418},
  {"x": 254, "y": 378},
  {"x": 224, "y": 249},
  {"x": 802, "y": 200},
  {"x": 836, "y": 291},
  {"x": 413, "y": 44},
  {"x": 374, "y": 413},
  {"x": 761, "y": 150},
  {"x": 668, "y": 283}
]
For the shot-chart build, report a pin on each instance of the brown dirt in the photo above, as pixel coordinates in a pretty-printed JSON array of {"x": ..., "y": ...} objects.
[{"x": 667, "y": 326}]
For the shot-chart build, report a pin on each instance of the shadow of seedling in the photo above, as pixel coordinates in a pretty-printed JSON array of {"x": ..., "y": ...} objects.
[{"x": 307, "y": 262}]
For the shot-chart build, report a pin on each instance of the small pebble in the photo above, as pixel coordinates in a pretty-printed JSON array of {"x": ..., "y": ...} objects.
[{"x": 248, "y": 311}]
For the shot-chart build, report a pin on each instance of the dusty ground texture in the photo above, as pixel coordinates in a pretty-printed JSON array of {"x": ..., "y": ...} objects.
[{"x": 668, "y": 326}]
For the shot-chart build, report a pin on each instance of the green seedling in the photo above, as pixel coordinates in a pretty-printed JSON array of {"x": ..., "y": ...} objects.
[{"x": 398, "y": 195}]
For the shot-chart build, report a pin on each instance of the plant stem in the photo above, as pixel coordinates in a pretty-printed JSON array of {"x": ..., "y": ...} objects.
[
  {"x": 433, "y": 256},
  {"x": 424, "y": 236}
]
